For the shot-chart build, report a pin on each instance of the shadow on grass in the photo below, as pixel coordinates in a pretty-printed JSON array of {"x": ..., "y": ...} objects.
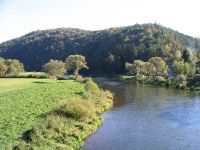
[
  {"x": 40, "y": 82},
  {"x": 79, "y": 93},
  {"x": 44, "y": 115}
]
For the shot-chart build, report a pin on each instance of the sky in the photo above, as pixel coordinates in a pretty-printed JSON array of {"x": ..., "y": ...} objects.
[{"x": 19, "y": 17}]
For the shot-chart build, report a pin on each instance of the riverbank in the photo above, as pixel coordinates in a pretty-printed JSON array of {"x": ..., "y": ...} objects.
[
  {"x": 48, "y": 114},
  {"x": 180, "y": 82}
]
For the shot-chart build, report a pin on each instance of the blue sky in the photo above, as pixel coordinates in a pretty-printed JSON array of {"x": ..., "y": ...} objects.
[{"x": 18, "y": 17}]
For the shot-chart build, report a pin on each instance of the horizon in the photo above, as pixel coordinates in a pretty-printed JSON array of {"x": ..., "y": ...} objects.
[{"x": 22, "y": 17}]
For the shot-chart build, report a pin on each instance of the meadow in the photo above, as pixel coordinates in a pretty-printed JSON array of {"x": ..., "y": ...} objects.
[
  {"x": 49, "y": 114},
  {"x": 25, "y": 101}
]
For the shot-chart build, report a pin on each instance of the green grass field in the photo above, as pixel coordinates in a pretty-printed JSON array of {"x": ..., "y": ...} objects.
[{"x": 24, "y": 102}]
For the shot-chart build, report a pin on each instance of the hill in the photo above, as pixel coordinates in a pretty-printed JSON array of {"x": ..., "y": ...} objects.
[{"x": 106, "y": 50}]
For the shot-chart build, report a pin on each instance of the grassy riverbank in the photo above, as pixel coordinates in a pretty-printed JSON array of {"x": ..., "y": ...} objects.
[{"x": 48, "y": 114}]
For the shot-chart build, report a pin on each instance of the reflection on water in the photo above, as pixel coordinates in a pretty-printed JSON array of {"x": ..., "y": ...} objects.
[{"x": 147, "y": 117}]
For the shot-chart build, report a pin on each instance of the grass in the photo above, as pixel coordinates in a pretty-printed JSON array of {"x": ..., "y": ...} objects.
[
  {"x": 24, "y": 102},
  {"x": 68, "y": 124},
  {"x": 49, "y": 114}
]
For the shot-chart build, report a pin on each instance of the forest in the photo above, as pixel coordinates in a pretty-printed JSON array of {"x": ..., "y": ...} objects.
[{"x": 106, "y": 51}]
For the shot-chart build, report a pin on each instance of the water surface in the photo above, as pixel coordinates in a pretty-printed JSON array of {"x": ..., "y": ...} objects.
[{"x": 146, "y": 117}]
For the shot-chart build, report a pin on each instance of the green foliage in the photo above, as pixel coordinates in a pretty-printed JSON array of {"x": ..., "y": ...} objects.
[
  {"x": 105, "y": 50},
  {"x": 75, "y": 63},
  {"x": 55, "y": 68},
  {"x": 181, "y": 67}
]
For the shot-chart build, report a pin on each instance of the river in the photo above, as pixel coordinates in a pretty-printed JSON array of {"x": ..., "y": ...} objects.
[{"x": 146, "y": 117}]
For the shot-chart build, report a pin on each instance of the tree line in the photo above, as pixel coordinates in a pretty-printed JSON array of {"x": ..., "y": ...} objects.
[
  {"x": 179, "y": 71},
  {"x": 54, "y": 68},
  {"x": 72, "y": 63}
]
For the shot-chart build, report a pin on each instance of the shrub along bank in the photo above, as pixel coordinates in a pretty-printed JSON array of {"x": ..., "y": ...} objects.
[
  {"x": 70, "y": 122},
  {"x": 37, "y": 75},
  {"x": 180, "y": 81}
]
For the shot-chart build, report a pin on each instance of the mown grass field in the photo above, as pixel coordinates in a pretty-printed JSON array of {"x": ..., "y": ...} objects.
[{"x": 24, "y": 102}]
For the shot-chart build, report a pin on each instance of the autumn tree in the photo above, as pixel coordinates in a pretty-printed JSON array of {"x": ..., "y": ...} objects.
[
  {"x": 178, "y": 55},
  {"x": 150, "y": 68},
  {"x": 54, "y": 68},
  {"x": 10, "y": 66},
  {"x": 14, "y": 66},
  {"x": 160, "y": 65},
  {"x": 76, "y": 63},
  {"x": 3, "y": 67}
]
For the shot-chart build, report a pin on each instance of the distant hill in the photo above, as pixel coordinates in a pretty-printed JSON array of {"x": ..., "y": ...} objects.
[{"x": 106, "y": 50}]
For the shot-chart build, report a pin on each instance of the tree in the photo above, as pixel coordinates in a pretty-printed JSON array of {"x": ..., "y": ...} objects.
[
  {"x": 178, "y": 55},
  {"x": 76, "y": 63},
  {"x": 14, "y": 66},
  {"x": 10, "y": 66},
  {"x": 188, "y": 55},
  {"x": 178, "y": 68},
  {"x": 3, "y": 68},
  {"x": 184, "y": 68},
  {"x": 150, "y": 68},
  {"x": 54, "y": 68},
  {"x": 137, "y": 68},
  {"x": 180, "y": 81},
  {"x": 160, "y": 66},
  {"x": 129, "y": 67}
]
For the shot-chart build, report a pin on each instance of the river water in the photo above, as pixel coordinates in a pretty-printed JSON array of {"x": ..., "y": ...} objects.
[{"x": 146, "y": 117}]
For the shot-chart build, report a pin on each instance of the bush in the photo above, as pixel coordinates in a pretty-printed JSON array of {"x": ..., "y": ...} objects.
[
  {"x": 92, "y": 87},
  {"x": 169, "y": 81},
  {"x": 149, "y": 79},
  {"x": 180, "y": 81},
  {"x": 79, "y": 78},
  {"x": 77, "y": 109},
  {"x": 194, "y": 80},
  {"x": 159, "y": 80},
  {"x": 141, "y": 77},
  {"x": 39, "y": 75},
  {"x": 63, "y": 78},
  {"x": 127, "y": 77}
]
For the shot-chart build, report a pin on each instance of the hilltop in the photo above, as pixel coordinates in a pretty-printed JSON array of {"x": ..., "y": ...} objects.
[{"x": 106, "y": 50}]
